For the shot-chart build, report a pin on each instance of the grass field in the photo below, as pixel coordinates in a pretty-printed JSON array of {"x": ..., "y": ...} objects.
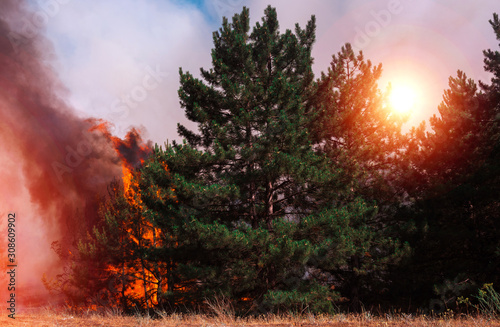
[{"x": 49, "y": 318}]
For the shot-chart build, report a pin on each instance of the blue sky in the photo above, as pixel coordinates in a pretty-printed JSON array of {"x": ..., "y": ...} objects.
[{"x": 104, "y": 49}]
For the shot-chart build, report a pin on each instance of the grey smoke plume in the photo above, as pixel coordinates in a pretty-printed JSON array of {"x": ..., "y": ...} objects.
[{"x": 55, "y": 165}]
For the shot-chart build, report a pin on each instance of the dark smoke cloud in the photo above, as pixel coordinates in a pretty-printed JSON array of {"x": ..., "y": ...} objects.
[
  {"x": 55, "y": 164},
  {"x": 132, "y": 150}
]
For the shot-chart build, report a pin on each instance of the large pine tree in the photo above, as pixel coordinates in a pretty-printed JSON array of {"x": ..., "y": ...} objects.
[
  {"x": 251, "y": 113},
  {"x": 250, "y": 170},
  {"x": 357, "y": 130},
  {"x": 455, "y": 178}
]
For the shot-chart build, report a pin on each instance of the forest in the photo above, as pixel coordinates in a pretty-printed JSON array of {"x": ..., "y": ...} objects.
[{"x": 301, "y": 193}]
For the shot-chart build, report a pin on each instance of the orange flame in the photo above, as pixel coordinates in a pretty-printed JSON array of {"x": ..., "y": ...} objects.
[
  {"x": 145, "y": 284},
  {"x": 132, "y": 150},
  {"x": 146, "y": 279}
]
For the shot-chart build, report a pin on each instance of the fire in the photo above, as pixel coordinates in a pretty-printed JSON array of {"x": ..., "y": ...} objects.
[
  {"x": 132, "y": 150},
  {"x": 144, "y": 282},
  {"x": 147, "y": 280},
  {"x": 133, "y": 279},
  {"x": 56, "y": 167},
  {"x": 132, "y": 197},
  {"x": 141, "y": 279}
]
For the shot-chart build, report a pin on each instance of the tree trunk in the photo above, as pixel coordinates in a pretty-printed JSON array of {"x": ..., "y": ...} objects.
[
  {"x": 146, "y": 298},
  {"x": 140, "y": 243},
  {"x": 355, "y": 284},
  {"x": 253, "y": 191},
  {"x": 269, "y": 204},
  {"x": 158, "y": 274}
]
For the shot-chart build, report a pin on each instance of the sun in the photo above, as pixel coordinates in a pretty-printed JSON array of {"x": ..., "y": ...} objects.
[{"x": 403, "y": 98}]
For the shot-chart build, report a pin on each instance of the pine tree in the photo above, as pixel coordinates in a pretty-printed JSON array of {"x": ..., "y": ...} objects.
[
  {"x": 116, "y": 265},
  {"x": 356, "y": 128},
  {"x": 359, "y": 133},
  {"x": 444, "y": 160},
  {"x": 492, "y": 124},
  {"x": 93, "y": 278},
  {"x": 252, "y": 113},
  {"x": 209, "y": 255},
  {"x": 251, "y": 165},
  {"x": 455, "y": 179}
]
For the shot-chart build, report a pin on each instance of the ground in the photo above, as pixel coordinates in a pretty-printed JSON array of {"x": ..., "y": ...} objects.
[{"x": 49, "y": 319}]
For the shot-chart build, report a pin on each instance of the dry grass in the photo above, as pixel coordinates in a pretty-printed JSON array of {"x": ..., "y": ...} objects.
[{"x": 50, "y": 318}]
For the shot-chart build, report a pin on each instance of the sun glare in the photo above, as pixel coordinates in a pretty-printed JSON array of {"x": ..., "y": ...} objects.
[{"x": 403, "y": 98}]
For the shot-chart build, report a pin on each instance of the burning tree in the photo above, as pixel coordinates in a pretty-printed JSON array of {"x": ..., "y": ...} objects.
[{"x": 108, "y": 266}]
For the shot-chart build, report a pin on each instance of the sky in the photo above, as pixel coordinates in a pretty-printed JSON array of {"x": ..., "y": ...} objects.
[{"x": 120, "y": 60}]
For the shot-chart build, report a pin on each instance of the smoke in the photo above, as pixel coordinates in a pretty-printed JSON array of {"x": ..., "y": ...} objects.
[
  {"x": 131, "y": 150},
  {"x": 117, "y": 44},
  {"x": 121, "y": 59},
  {"x": 55, "y": 165}
]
